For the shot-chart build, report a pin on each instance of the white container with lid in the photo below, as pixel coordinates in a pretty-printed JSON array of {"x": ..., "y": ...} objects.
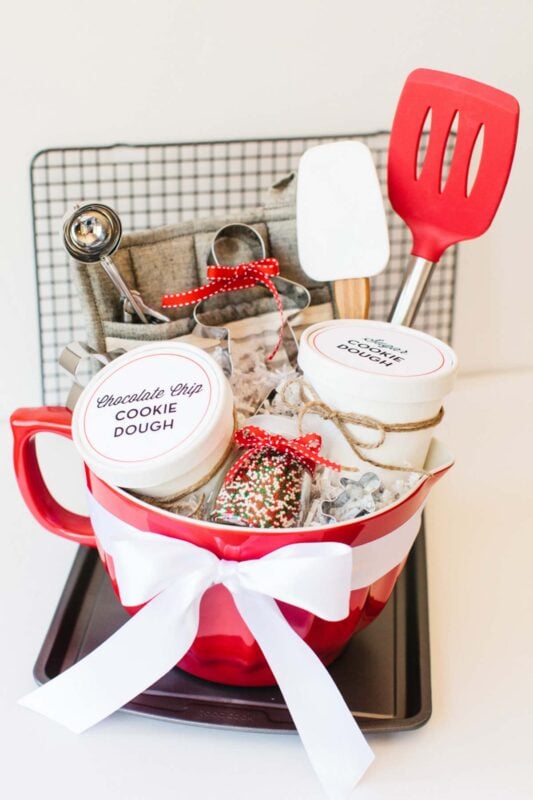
[
  {"x": 157, "y": 420},
  {"x": 389, "y": 372}
]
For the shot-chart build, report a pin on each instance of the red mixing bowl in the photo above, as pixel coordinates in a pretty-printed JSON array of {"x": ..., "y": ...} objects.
[{"x": 224, "y": 649}]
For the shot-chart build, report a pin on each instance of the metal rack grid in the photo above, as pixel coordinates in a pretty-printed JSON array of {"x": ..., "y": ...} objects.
[{"x": 160, "y": 184}]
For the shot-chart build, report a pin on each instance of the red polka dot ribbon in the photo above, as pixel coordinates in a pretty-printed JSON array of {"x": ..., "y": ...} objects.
[
  {"x": 231, "y": 279},
  {"x": 304, "y": 448}
]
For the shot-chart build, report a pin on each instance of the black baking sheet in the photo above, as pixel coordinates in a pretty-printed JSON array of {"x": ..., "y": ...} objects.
[{"x": 384, "y": 673}]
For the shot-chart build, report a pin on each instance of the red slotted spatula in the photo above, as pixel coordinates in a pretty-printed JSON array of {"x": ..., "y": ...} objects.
[{"x": 442, "y": 210}]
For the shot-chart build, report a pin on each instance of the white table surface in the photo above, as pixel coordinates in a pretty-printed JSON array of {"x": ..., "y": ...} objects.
[{"x": 478, "y": 741}]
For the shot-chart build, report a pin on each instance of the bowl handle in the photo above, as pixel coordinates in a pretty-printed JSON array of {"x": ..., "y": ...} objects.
[{"x": 26, "y": 423}]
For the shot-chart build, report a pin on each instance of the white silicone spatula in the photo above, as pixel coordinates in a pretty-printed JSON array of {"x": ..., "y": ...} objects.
[{"x": 341, "y": 224}]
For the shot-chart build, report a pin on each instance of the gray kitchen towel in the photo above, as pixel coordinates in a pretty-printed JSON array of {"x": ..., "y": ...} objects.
[{"x": 174, "y": 258}]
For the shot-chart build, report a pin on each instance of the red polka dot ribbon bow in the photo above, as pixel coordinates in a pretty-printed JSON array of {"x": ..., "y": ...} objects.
[
  {"x": 230, "y": 279},
  {"x": 304, "y": 448}
]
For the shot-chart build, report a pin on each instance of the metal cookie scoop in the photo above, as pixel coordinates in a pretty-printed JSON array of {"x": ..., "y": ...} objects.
[
  {"x": 128, "y": 311},
  {"x": 91, "y": 234}
]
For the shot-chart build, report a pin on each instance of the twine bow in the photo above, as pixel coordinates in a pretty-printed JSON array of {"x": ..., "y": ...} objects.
[
  {"x": 231, "y": 279},
  {"x": 304, "y": 448},
  {"x": 342, "y": 419}
]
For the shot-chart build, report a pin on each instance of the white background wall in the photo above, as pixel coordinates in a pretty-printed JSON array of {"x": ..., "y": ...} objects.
[{"x": 102, "y": 71}]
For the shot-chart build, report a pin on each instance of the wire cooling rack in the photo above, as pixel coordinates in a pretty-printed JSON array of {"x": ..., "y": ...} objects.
[{"x": 160, "y": 184}]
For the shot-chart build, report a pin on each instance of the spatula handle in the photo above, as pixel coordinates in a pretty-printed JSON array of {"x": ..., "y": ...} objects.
[
  {"x": 412, "y": 290},
  {"x": 352, "y": 298}
]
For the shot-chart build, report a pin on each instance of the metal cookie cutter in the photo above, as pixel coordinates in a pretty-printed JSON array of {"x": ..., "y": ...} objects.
[
  {"x": 355, "y": 500},
  {"x": 239, "y": 243},
  {"x": 92, "y": 233},
  {"x": 77, "y": 358},
  {"x": 236, "y": 243}
]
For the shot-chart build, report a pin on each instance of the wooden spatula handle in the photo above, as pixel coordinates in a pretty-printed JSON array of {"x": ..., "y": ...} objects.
[{"x": 352, "y": 298}]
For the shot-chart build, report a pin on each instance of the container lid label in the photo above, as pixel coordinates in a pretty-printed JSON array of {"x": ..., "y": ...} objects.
[
  {"x": 147, "y": 407},
  {"x": 375, "y": 350}
]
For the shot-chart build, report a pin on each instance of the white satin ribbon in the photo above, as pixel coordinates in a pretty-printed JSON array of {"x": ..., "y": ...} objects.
[{"x": 170, "y": 576}]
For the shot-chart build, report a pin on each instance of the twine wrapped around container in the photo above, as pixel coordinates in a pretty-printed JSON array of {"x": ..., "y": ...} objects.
[{"x": 310, "y": 403}]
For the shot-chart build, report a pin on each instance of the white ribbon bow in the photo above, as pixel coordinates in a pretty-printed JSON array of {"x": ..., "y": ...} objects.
[{"x": 170, "y": 576}]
